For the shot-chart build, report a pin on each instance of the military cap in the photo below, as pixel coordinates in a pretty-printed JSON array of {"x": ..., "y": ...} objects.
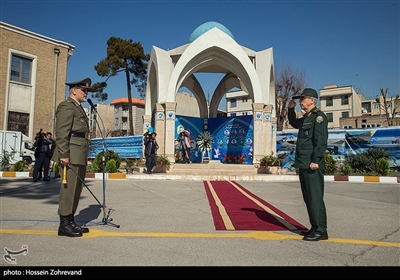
[
  {"x": 309, "y": 92},
  {"x": 85, "y": 83}
]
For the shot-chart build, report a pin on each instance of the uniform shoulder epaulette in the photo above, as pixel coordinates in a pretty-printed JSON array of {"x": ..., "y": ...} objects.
[{"x": 317, "y": 110}]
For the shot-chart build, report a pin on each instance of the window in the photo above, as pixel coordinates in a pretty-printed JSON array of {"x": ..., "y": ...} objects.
[
  {"x": 367, "y": 107},
  {"x": 18, "y": 122},
  {"x": 330, "y": 117},
  {"x": 21, "y": 69},
  {"x": 233, "y": 102},
  {"x": 124, "y": 120},
  {"x": 347, "y": 127},
  {"x": 377, "y": 105},
  {"x": 345, "y": 115},
  {"x": 233, "y": 114},
  {"x": 345, "y": 99},
  {"x": 388, "y": 104},
  {"x": 244, "y": 99},
  {"x": 329, "y": 101}
]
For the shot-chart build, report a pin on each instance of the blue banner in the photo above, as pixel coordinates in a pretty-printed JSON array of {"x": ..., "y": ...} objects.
[
  {"x": 343, "y": 143},
  {"x": 126, "y": 146},
  {"x": 232, "y": 138}
]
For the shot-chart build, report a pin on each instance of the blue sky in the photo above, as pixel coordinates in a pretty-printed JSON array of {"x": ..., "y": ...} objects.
[{"x": 334, "y": 42}]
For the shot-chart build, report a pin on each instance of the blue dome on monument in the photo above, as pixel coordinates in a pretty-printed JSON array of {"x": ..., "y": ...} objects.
[{"x": 208, "y": 26}]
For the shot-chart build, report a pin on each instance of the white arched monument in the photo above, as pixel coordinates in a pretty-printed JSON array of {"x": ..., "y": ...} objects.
[{"x": 211, "y": 49}]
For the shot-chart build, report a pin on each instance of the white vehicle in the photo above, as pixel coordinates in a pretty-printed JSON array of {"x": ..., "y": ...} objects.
[{"x": 17, "y": 146}]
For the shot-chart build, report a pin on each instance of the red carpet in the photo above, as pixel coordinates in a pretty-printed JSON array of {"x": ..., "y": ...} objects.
[{"x": 235, "y": 208}]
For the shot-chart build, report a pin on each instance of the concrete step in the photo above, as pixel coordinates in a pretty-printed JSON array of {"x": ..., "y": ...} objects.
[{"x": 212, "y": 169}]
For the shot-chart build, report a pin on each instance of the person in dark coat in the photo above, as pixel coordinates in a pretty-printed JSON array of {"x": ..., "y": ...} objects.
[
  {"x": 42, "y": 156},
  {"x": 150, "y": 151}
]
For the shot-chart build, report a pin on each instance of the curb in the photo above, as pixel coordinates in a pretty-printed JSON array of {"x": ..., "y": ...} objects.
[
  {"x": 361, "y": 179},
  {"x": 28, "y": 174},
  {"x": 258, "y": 177}
]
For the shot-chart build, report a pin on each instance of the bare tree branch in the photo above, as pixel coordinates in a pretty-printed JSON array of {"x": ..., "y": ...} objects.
[{"x": 288, "y": 82}]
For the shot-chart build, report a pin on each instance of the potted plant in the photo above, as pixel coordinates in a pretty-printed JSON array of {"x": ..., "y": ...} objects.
[
  {"x": 271, "y": 162},
  {"x": 205, "y": 141},
  {"x": 163, "y": 162}
]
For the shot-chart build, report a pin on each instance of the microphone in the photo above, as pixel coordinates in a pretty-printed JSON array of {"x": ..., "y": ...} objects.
[{"x": 91, "y": 105}]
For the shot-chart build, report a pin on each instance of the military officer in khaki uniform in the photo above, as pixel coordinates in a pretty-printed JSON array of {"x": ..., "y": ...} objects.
[
  {"x": 72, "y": 127},
  {"x": 311, "y": 145}
]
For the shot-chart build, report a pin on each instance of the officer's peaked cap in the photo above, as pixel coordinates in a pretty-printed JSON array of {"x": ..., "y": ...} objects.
[
  {"x": 85, "y": 83},
  {"x": 309, "y": 92}
]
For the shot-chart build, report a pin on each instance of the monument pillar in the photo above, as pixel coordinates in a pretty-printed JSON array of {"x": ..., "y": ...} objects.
[
  {"x": 258, "y": 135},
  {"x": 160, "y": 127},
  {"x": 269, "y": 127},
  {"x": 169, "y": 137}
]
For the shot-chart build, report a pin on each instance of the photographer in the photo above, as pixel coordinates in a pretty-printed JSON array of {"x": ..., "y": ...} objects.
[
  {"x": 150, "y": 150},
  {"x": 42, "y": 155}
]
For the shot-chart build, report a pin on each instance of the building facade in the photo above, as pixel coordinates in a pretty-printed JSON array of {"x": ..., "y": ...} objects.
[
  {"x": 121, "y": 116},
  {"x": 32, "y": 79},
  {"x": 101, "y": 121},
  {"x": 238, "y": 103},
  {"x": 346, "y": 109}
]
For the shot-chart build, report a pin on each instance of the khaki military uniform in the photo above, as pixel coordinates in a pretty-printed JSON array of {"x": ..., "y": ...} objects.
[
  {"x": 311, "y": 145},
  {"x": 72, "y": 127}
]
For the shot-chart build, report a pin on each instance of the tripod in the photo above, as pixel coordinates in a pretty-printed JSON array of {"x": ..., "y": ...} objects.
[{"x": 106, "y": 211}]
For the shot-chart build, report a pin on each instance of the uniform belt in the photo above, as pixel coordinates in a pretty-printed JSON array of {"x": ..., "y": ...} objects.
[{"x": 78, "y": 134}]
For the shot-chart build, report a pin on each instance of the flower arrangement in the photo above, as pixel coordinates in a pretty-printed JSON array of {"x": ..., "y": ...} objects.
[{"x": 204, "y": 142}]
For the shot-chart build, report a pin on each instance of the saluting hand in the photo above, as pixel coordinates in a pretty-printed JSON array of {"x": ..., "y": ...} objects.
[{"x": 292, "y": 103}]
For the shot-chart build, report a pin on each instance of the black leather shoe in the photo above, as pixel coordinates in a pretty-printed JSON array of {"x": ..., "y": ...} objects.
[
  {"x": 82, "y": 229},
  {"x": 85, "y": 229},
  {"x": 316, "y": 236},
  {"x": 46, "y": 179},
  {"x": 67, "y": 228},
  {"x": 306, "y": 232},
  {"x": 76, "y": 226}
]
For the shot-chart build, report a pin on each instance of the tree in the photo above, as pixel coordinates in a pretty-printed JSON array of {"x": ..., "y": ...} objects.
[
  {"x": 128, "y": 57},
  {"x": 97, "y": 90},
  {"x": 288, "y": 82},
  {"x": 390, "y": 111}
]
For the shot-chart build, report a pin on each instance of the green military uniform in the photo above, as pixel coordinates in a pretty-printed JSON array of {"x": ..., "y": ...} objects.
[
  {"x": 310, "y": 147},
  {"x": 72, "y": 128}
]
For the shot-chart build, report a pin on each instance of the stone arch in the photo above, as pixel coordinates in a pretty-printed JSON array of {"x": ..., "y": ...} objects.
[
  {"x": 227, "y": 83},
  {"x": 211, "y": 52},
  {"x": 224, "y": 53}
]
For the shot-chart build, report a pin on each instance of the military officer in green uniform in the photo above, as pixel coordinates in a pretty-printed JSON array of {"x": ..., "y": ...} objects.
[
  {"x": 310, "y": 150},
  {"x": 72, "y": 127}
]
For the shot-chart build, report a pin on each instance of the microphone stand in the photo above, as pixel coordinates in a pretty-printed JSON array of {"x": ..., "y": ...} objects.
[{"x": 106, "y": 214}]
